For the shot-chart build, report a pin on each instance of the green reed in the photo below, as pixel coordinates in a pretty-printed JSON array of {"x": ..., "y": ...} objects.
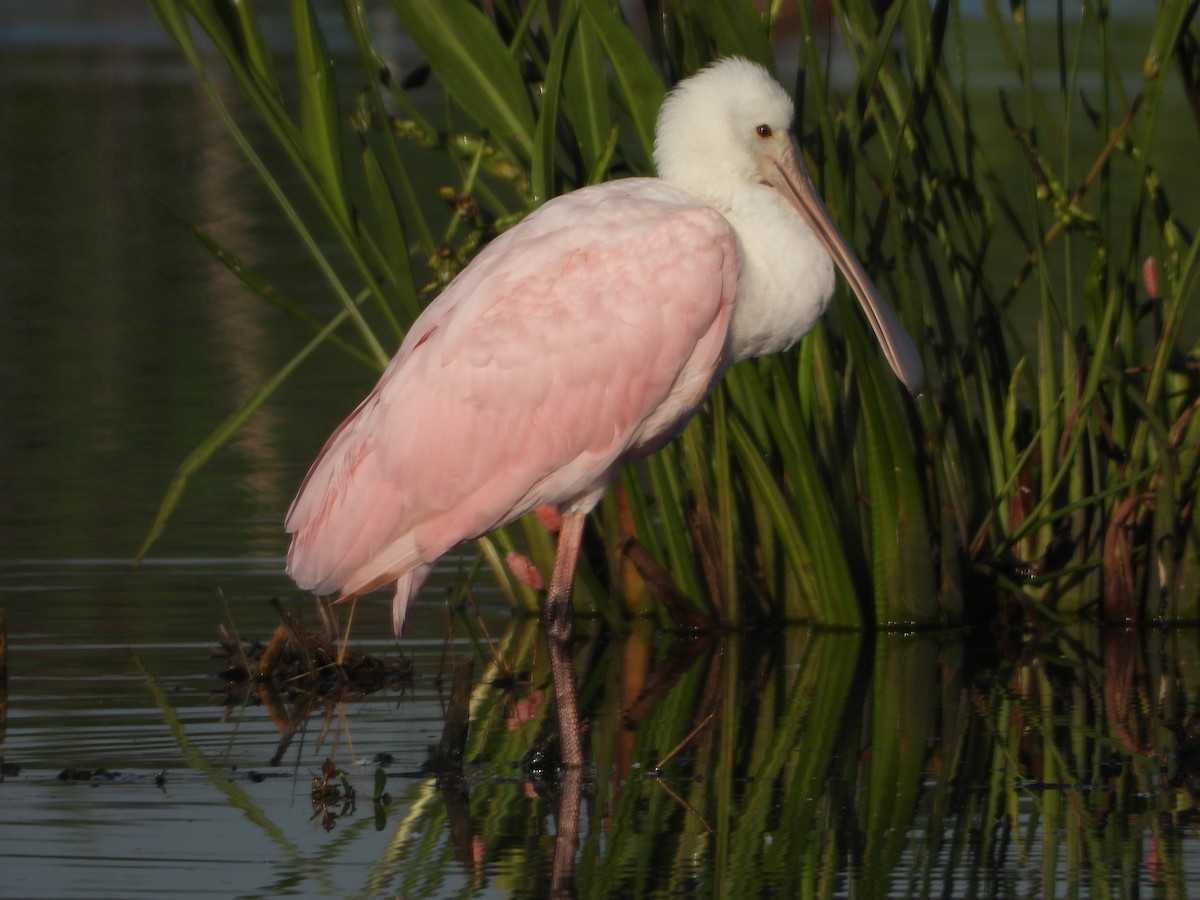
[{"x": 1052, "y": 455}]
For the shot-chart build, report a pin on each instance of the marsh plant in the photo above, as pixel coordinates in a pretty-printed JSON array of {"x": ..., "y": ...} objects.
[{"x": 1025, "y": 232}]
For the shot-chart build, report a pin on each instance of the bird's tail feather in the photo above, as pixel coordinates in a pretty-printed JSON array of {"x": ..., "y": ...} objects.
[{"x": 408, "y": 586}]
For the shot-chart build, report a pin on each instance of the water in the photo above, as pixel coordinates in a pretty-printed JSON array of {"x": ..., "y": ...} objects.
[{"x": 757, "y": 765}]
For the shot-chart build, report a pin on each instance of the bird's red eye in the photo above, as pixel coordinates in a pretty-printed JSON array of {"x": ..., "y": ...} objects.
[{"x": 763, "y": 131}]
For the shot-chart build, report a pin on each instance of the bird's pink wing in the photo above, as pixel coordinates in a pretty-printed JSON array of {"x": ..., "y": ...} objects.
[{"x": 585, "y": 336}]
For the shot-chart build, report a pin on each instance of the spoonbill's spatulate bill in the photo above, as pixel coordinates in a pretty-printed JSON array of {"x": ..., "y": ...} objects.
[{"x": 584, "y": 337}]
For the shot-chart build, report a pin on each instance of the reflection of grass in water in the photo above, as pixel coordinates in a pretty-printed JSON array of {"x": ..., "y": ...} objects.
[
  {"x": 301, "y": 868},
  {"x": 218, "y": 776},
  {"x": 1078, "y": 792},
  {"x": 811, "y": 763}
]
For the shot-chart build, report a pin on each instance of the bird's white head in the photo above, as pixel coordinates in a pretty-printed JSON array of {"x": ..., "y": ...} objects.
[
  {"x": 715, "y": 127},
  {"x": 725, "y": 133}
]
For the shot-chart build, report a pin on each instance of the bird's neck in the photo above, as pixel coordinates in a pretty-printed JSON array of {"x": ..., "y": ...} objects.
[{"x": 786, "y": 277}]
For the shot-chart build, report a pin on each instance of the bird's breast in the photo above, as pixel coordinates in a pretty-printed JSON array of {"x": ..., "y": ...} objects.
[{"x": 786, "y": 276}]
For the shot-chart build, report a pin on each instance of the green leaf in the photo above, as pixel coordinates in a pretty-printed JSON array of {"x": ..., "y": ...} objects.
[
  {"x": 263, "y": 288},
  {"x": 465, "y": 52},
  {"x": 642, "y": 91},
  {"x": 586, "y": 91},
  {"x": 224, "y": 432},
  {"x": 320, "y": 122},
  {"x": 902, "y": 549},
  {"x": 242, "y": 22},
  {"x": 545, "y": 139},
  {"x": 819, "y": 564},
  {"x": 672, "y": 525},
  {"x": 394, "y": 245}
]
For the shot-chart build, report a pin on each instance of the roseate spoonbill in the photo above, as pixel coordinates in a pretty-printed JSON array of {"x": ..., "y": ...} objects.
[{"x": 584, "y": 337}]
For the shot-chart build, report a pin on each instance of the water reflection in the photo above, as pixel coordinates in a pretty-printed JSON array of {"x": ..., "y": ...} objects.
[
  {"x": 772, "y": 763},
  {"x": 805, "y": 764}
]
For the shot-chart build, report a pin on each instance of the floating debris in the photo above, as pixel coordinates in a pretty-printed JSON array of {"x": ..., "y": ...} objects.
[
  {"x": 297, "y": 663},
  {"x": 332, "y": 796},
  {"x": 298, "y": 674}
]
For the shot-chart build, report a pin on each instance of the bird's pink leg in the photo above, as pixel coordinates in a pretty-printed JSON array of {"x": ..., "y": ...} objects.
[{"x": 559, "y": 621}]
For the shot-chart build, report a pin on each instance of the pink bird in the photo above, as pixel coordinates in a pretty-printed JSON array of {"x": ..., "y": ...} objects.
[{"x": 584, "y": 337}]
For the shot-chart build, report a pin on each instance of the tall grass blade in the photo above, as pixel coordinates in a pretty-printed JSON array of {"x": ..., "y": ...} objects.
[
  {"x": 474, "y": 66},
  {"x": 321, "y": 127},
  {"x": 222, "y": 434},
  {"x": 641, "y": 88},
  {"x": 585, "y": 87}
]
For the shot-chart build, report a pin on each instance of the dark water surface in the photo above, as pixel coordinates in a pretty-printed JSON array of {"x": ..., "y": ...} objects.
[{"x": 791, "y": 763}]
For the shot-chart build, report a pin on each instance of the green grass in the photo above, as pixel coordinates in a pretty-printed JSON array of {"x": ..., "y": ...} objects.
[{"x": 1052, "y": 456}]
